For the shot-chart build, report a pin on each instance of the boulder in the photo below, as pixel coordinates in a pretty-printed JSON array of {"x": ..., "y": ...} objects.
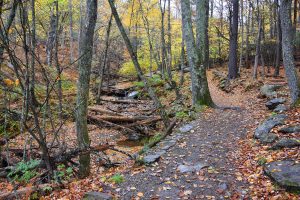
[
  {"x": 280, "y": 108},
  {"x": 269, "y": 91},
  {"x": 272, "y": 104},
  {"x": 285, "y": 173},
  {"x": 290, "y": 129},
  {"x": 267, "y": 125},
  {"x": 286, "y": 143},
  {"x": 97, "y": 196}
]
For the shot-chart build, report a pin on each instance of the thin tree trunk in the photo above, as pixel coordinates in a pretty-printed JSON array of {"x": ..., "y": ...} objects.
[
  {"x": 137, "y": 66},
  {"x": 242, "y": 44},
  {"x": 84, "y": 68},
  {"x": 71, "y": 32},
  {"x": 278, "y": 41},
  {"x": 103, "y": 63}
]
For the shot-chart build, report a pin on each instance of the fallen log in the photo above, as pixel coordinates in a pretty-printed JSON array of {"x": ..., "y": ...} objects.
[
  {"x": 145, "y": 122},
  {"x": 127, "y": 101},
  {"x": 103, "y": 111},
  {"x": 113, "y": 125},
  {"x": 26, "y": 191},
  {"x": 167, "y": 132},
  {"x": 127, "y": 119}
]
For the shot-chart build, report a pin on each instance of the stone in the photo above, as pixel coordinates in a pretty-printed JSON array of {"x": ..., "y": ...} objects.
[
  {"x": 222, "y": 187},
  {"x": 285, "y": 173},
  {"x": 133, "y": 95},
  {"x": 268, "y": 138},
  {"x": 269, "y": 91},
  {"x": 168, "y": 86},
  {"x": 286, "y": 143},
  {"x": 167, "y": 144},
  {"x": 290, "y": 129},
  {"x": 190, "y": 168},
  {"x": 280, "y": 108},
  {"x": 97, "y": 196},
  {"x": 135, "y": 136},
  {"x": 186, "y": 128},
  {"x": 268, "y": 124},
  {"x": 271, "y": 105},
  {"x": 151, "y": 158}
]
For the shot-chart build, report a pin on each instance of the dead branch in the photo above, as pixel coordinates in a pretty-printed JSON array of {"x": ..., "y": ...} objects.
[
  {"x": 127, "y": 101},
  {"x": 103, "y": 111},
  {"x": 127, "y": 119},
  {"x": 167, "y": 132},
  {"x": 26, "y": 191},
  {"x": 113, "y": 125}
]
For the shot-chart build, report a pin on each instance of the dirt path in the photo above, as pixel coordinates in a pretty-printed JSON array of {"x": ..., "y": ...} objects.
[{"x": 212, "y": 142}]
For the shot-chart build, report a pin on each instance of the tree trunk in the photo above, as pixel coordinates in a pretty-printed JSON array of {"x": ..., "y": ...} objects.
[
  {"x": 200, "y": 91},
  {"x": 287, "y": 50},
  {"x": 104, "y": 62},
  {"x": 233, "y": 44},
  {"x": 137, "y": 66},
  {"x": 278, "y": 41},
  {"x": 71, "y": 32},
  {"x": 84, "y": 68}
]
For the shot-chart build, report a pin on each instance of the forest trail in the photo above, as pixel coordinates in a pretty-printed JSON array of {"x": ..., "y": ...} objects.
[{"x": 212, "y": 143}]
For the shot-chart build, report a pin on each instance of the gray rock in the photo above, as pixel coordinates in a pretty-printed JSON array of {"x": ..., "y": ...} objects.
[
  {"x": 285, "y": 173},
  {"x": 168, "y": 86},
  {"x": 280, "y": 108},
  {"x": 268, "y": 138},
  {"x": 267, "y": 125},
  {"x": 191, "y": 168},
  {"x": 222, "y": 188},
  {"x": 286, "y": 143},
  {"x": 186, "y": 128},
  {"x": 133, "y": 95},
  {"x": 275, "y": 102},
  {"x": 97, "y": 196},
  {"x": 135, "y": 136},
  {"x": 151, "y": 158},
  {"x": 290, "y": 129},
  {"x": 167, "y": 144},
  {"x": 269, "y": 90}
]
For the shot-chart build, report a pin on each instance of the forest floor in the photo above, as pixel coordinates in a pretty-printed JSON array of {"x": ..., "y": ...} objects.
[{"x": 220, "y": 145}]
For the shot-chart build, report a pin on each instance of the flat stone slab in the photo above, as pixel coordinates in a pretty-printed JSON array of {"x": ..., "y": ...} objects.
[
  {"x": 151, "y": 158},
  {"x": 290, "y": 129},
  {"x": 186, "y": 128},
  {"x": 268, "y": 124},
  {"x": 191, "y": 168},
  {"x": 286, "y": 143},
  {"x": 280, "y": 108},
  {"x": 97, "y": 196},
  {"x": 275, "y": 102},
  {"x": 268, "y": 138},
  {"x": 284, "y": 173},
  {"x": 167, "y": 144}
]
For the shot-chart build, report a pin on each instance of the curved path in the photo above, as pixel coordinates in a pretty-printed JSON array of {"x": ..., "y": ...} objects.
[{"x": 213, "y": 142}]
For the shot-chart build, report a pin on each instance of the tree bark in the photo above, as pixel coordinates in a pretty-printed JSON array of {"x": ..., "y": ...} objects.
[
  {"x": 233, "y": 43},
  {"x": 287, "y": 50},
  {"x": 200, "y": 90},
  {"x": 84, "y": 68},
  {"x": 278, "y": 40}
]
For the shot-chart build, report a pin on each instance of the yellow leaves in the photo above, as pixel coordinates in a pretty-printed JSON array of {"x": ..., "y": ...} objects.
[{"x": 10, "y": 83}]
